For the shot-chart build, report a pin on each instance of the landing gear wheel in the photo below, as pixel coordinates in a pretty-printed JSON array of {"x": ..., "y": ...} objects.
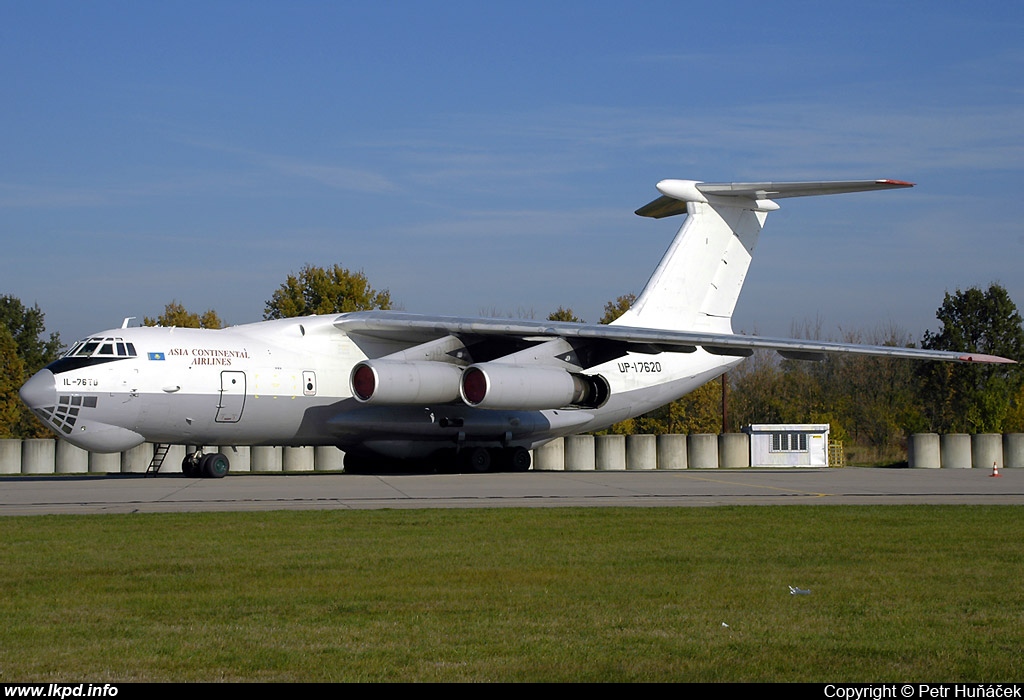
[
  {"x": 518, "y": 459},
  {"x": 478, "y": 459},
  {"x": 189, "y": 467},
  {"x": 214, "y": 466}
]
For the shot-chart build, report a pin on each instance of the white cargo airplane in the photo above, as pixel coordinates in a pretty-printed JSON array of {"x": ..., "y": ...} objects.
[{"x": 384, "y": 385}]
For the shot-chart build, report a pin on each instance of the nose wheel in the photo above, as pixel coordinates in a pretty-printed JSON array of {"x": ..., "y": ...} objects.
[{"x": 210, "y": 466}]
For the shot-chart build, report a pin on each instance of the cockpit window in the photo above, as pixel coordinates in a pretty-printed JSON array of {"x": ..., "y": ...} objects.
[
  {"x": 102, "y": 347},
  {"x": 87, "y": 349}
]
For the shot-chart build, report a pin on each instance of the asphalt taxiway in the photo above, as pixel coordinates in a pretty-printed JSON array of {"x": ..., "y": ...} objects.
[{"x": 128, "y": 493}]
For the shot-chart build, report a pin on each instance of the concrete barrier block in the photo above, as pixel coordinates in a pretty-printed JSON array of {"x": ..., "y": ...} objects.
[
  {"x": 579, "y": 453},
  {"x": 104, "y": 462},
  {"x": 297, "y": 459},
  {"x": 10, "y": 456},
  {"x": 610, "y": 452},
  {"x": 550, "y": 457},
  {"x": 266, "y": 459},
  {"x": 328, "y": 458},
  {"x": 137, "y": 459},
  {"x": 71, "y": 459},
  {"x": 955, "y": 451},
  {"x": 38, "y": 456},
  {"x": 672, "y": 452},
  {"x": 923, "y": 451},
  {"x": 987, "y": 450},
  {"x": 641, "y": 452},
  {"x": 702, "y": 451},
  {"x": 733, "y": 450},
  {"x": 1013, "y": 450}
]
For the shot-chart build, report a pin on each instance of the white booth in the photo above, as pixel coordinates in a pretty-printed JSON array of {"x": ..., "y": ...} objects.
[{"x": 788, "y": 445}]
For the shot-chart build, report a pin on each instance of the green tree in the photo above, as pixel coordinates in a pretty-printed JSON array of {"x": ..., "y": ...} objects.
[
  {"x": 12, "y": 374},
  {"x": 1014, "y": 422},
  {"x": 965, "y": 397},
  {"x": 178, "y": 316},
  {"x": 757, "y": 390},
  {"x": 23, "y": 352},
  {"x": 614, "y": 309},
  {"x": 26, "y": 328},
  {"x": 877, "y": 395},
  {"x": 700, "y": 411},
  {"x": 316, "y": 290},
  {"x": 564, "y": 314}
]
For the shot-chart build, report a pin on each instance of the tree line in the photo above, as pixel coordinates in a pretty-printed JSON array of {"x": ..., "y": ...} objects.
[{"x": 871, "y": 403}]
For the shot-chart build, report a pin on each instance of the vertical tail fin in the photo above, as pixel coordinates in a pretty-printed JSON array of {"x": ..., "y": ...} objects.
[{"x": 698, "y": 281}]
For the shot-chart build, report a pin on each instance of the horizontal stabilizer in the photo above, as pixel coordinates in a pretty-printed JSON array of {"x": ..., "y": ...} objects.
[{"x": 676, "y": 193}]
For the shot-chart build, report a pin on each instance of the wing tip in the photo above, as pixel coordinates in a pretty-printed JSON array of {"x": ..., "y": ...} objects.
[
  {"x": 987, "y": 359},
  {"x": 895, "y": 183}
]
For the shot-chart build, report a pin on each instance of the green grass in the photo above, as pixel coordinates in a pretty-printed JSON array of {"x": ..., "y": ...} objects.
[{"x": 640, "y": 594}]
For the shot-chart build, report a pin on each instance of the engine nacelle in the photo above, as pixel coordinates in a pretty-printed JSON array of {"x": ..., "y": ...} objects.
[
  {"x": 495, "y": 385},
  {"x": 385, "y": 382}
]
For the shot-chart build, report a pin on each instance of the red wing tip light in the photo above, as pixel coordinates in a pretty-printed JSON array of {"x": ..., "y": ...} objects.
[{"x": 895, "y": 183}]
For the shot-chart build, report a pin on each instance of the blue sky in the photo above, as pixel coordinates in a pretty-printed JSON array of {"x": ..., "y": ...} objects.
[{"x": 487, "y": 157}]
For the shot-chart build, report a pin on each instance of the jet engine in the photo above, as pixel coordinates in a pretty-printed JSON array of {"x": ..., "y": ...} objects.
[
  {"x": 385, "y": 382},
  {"x": 501, "y": 386}
]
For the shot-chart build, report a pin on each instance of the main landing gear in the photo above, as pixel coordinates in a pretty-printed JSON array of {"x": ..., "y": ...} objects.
[
  {"x": 482, "y": 459},
  {"x": 469, "y": 459},
  {"x": 211, "y": 466}
]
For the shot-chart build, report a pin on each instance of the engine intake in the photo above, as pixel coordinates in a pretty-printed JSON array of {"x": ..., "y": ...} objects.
[{"x": 495, "y": 385}]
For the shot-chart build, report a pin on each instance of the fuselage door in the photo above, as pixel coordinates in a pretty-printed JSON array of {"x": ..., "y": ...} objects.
[{"x": 232, "y": 397}]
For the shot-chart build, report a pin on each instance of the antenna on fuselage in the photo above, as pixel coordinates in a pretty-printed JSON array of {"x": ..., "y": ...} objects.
[{"x": 124, "y": 323}]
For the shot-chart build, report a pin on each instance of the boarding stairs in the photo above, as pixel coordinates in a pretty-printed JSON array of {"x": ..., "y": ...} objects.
[{"x": 160, "y": 450}]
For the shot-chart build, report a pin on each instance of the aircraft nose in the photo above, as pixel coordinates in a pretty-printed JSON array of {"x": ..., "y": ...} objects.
[{"x": 40, "y": 391}]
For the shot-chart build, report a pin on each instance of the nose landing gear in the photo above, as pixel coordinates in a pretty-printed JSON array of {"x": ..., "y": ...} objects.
[{"x": 211, "y": 466}]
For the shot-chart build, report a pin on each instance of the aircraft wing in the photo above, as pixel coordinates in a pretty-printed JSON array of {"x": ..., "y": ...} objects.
[{"x": 415, "y": 329}]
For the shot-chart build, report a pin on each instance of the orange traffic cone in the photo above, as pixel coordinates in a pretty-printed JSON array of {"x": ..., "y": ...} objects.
[{"x": 995, "y": 470}]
